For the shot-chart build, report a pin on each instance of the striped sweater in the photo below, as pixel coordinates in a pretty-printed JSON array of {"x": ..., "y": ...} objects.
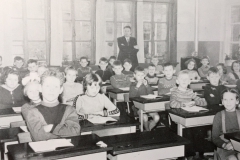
[{"x": 179, "y": 97}]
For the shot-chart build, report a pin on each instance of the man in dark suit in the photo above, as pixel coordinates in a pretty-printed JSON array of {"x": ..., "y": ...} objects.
[{"x": 128, "y": 47}]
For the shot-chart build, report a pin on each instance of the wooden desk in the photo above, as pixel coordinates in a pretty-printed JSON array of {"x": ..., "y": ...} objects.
[
  {"x": 117, "y": 94},
  {"x": 186, "y": 119},
  {"x": 7, "y": 116},
  {"x": 149, "y": 105},
  {"x": 8, "y": 135},
  {"x": 85, "y": 148},
  {"x": 199, "y": 84},
  {"x": 124, "y": 125},
  {"x": 154, "y": 145}
]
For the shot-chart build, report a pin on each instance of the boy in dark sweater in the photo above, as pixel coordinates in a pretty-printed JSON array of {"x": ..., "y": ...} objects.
[
  {"x": 212, "y": 92},
  {"x": 18, "y": 66},
  {"x": 103, "y": 72},
  {"x": 127, "y": 64},
  {"x": 51, "y": 119},
  {"x": 141, "y": 87},
  {"x": 84, "y": 69},
  {"x": 151, "y": 76}
]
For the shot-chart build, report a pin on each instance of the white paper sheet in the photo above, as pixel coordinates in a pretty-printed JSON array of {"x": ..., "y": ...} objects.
[
  {"x": 100, "y": 120},
  {"x": 150, "y": 96},
  {"x": 17, "y": 109},
  {"x": 125, "y": 89},
  {"x": 24, "y": 128},
  {"x": 49, "y": 145},
  {"x": 194, "y": 109}
]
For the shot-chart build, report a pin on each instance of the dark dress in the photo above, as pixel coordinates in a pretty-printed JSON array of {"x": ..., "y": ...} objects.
[{"x": 127, "y": 50}]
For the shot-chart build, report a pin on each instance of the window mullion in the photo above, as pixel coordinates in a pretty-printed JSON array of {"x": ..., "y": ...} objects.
[
  {"x": 115, "y": 28},
  {"x": 73, "y": 31},
  {"x": 25, "y": 33},
  {"x": 153, "y": 30}
]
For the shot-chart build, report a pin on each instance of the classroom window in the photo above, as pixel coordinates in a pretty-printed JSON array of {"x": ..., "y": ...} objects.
[
  {"x": 78, "y": 29},
  {"x": 235, "y": 32},
  {"x": 156, "y": 29},
  {"x": 118, "y": 15},
  {"x": 29, "y": 25}
]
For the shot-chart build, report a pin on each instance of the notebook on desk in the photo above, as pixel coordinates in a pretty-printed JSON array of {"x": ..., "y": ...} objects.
[
  {"x": 49, "y": 145},
  {"x": 17, "y": 109},
  {"x": 125, "y": 89},
  {"x": 101, "y": 120},
  {"x": 194, "y": 109}
]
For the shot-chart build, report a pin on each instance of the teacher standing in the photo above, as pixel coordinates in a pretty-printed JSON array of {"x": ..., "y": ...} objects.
[{"x": 128, "y": 47}]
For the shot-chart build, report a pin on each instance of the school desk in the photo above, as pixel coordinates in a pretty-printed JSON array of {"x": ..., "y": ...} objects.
[
  {"x": 117, "y": 94},
  {"x": 8, "y": 135},
  {"x": 199, "y": 84},
  {"x": 149, "y": 105},
  {"x": 7, "y": 116},
  {"x": 85, "y": 148},
  {"x": 124, "y": 125},
  {"x": 186, "y": 119},
  {"x": 158, "y": 144}
]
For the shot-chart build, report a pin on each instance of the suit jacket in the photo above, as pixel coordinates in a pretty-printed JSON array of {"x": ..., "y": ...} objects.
[{"x": 127, "y": 50}]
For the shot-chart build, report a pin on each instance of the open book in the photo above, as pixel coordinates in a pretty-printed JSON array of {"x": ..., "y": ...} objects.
[
  {"x": 100, "y": 120},
  {"x": 49, "y": 145},
  {"x": 194, "y": 109}
]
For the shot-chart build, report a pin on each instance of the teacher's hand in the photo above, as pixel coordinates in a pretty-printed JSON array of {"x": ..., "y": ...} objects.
[{"x": 136, "y": 47}]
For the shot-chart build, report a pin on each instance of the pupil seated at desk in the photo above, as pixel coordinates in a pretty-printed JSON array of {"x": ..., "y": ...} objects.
[
  {"x": 31, "y": 90},
  {"x": 70, "y": 88},
  {"x": 103, "y": 72},
  {"x": 151, "y": 76},
  {"x": 93, "y": 103},
  {"x": 127, "y": 64},
  {"x": 233, "y": 77},
  {"x": 227, "y": 121},
  {"x": 52, "y": 119},
  {"x": 191, "y": 65},
  {"x": 141, "y": 87},
  {"x": 182, "y": 96},
  {"x": 212, "y": 92},
  {"x": 11, "y": 91},
  {"x": 203, "y": 70},
  {"x": 119, "y": 80},
  {"x": 223, "y": 73},
  {"x": 168, "y": 81}
]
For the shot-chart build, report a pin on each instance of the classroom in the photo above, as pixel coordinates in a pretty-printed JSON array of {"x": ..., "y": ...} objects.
[{"x": 120, "y": 79}]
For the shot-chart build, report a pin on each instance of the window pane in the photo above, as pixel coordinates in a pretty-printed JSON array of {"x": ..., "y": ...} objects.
[
  {"x": 66, "y": 9},
  {"x": 147, "y": 31},
  {"x": 160, "y": 48},
  {"x": 83, "y": 30},
  {"x": 35, "y": 8},
  {"x": 67, "y": 30},
  {"x": 109, "y": 14},
  {"x": 147, "y": 48},
  {"x": 17, "y": 50},
  {"x": 147, "y": 7},
  {"x": 160, "y": 12},
  {"x": 36, "y": 29},
  {"x": 124, "y": 10},
  {"x": 120, "y": 27},
  {"x": 236, "y": 32},
  {"x": 17, "y": 29},
  {"x": 82, "y": 9},
  {"x": 160, "y": 31},
  {"x": 37, "y": 50},
  {"x": 83, "y": 49},
  {"x": 109, "y": 31},
  {"x": 16, "y": 10},
  {"x": 109, "y": 49},
  {"x": 235, "y": 14},
  {"x": 67, "y": 51}
]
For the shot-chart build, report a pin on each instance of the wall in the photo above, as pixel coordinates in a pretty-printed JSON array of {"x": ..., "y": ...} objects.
[{"x": 210, "y": 28}]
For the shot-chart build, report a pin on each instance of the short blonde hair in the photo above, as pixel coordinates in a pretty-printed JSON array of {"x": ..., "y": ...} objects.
[
  {"x": 182, "y": 73},
  {"x": 53, "y": 73},
  {"x": 70, "y": 68},
  {"x": 28, "y": 85}
]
